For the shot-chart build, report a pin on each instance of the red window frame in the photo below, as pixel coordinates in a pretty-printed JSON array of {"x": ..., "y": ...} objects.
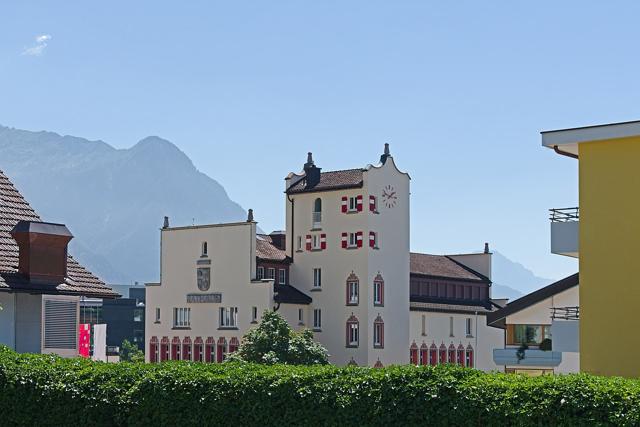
[
  {"x": 210, "y": 350},
  {"x": 153, "y": 350},
  {"x": 461, "y": 355},
  {"x": 359, "y": 235},
  {"x": 352, "y": 279},
  {"x": 175, "y": 348},
  {"x": 378, "y": 280},
  {"x": 413, "y": 354},
  {"x": 442, "y": 354},
  {"x": 352, "y": 322},
  {"x": 452, "y": 354},
  {"x": 164, "y": 349},
  {"x": 433, "y": 355},
  {"x": 469, "y": 357},
  {"x": 424, "y": 355},
  {"x": 378, "y": 328},
  {"x": 186, "y": 348},
  {"x": 198, "y": 350},
  {"x": 222, "y": 350}
]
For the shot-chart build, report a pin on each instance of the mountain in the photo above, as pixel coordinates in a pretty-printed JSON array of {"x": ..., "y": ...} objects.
[
  {"x": 113, "y": 200},
  {"x": 512, "y": 280}
]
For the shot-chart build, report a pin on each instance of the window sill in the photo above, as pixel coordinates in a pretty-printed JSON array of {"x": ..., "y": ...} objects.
[
  {"x": 316, "y": 249},
  {"x": 451, "y": 336},
  {"x": 316, "y": 228},
  {"x": 300, "y": 323},
  {"x": 469, "y": 336},
  {"x": 227, "y": 328},
  {"x": 317, "y": 329},
  {"x": 377, "y": 304},
  {"x": 157, "y": 322},
  {"x": 351, "y": 247},
  {"x": 315, "y": 289},
  {"x": 355, "y": 211},
  {"x": 181, "y": 328},
  {"x": 351, "y": 304},
  {"x": 351, "y": 346},
  {"x": 299, "y": 250},
  {"x": 423, "y": 334},
  {"x": 254, "y": 322},
  {"x": 378, "y": 346}
]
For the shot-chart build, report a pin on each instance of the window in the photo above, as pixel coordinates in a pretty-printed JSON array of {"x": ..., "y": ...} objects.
[
  {"x": 138, "y": 335},
  {"x": 210, "y": 350},
  {"x": 282, "y": 276},
  {"x": 433, "y": 355},
  {"x": 413, "y": 354},
  {"x": 424, "y": 354},
  {"x": 222, "y": 349},
  {"x": 186, "y": 348},
  {"x": 153, "y": 350},
  {"x": 461, "y": 355},
  {"x": 469, "y": 359},
  {"x": 254, "y": 314},
  {"x": 316, "y": 242},
  {"x": 352, "y": 331},
  {"x": 424, "y": 325},
  {"x": 260, "y": 274},
  {"x": 352, "y": 292},
  {"x": 164, "y": 349},
  {"x": 198, "y": 350},
  {"x": 317, "y": 278},
  {"x": 205, "y": 249},
  {"x": 469, "y": 327},
  {"x": 175, "y": 348},
  {"x": 317, "y": 319},
  {"x": 181, "y": 317},
  {"x": 138, "y": 314},
  {"x": 527, "y": 334},
  {"x": 300, "y": 317},
  {"x": 442, "y": 354},
  {"x": 353, "y": 240},
  {"x": 228, "y": 317},
  {"x": 452, "y": 354},
  {"x": 234, "y": 343},
  {"x": 316, "y": 215},
  {"x": 378, "y": 333},
  {"x": 271, "y": 273},
  {"x": 451, "y": 326},
  {"x": 378, "y": 291},
  {"x": 157, "y": 314},
  {"x": 353, "y": 204},
  {"x": 299, "y": 244}
]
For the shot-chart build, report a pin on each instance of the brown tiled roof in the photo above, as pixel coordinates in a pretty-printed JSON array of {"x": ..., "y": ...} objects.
[
  {"x": 332, "y": 180},
  {"x": 442, "y": 266},
  {"x": 267, "y": 251},
  {"x": 451, "y": 308},
  {"x": 13, "y": 208}
]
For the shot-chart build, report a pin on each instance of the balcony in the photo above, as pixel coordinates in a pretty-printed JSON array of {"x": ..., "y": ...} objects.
[
  {"x": 316, "y": 220},
  {"x": 532, "y": 357},
  {"x": 565, "y": 224}
]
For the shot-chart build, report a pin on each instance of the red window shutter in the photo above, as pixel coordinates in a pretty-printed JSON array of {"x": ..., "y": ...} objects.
[
  {"x": 344, "y": 204},
  {"x": 372, "y": 203},
  {"x": 308, "y": 242},
  {"x": 323, "y": 241},
  {"x": 344, "y": 240},
  {"x": 359, "y": 238},
  {"x": 372, "y": 239},
  {"x": 359, "y": 203}
]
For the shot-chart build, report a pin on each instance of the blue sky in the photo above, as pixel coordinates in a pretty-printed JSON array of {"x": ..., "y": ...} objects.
[{"x": 459, "y": 89}]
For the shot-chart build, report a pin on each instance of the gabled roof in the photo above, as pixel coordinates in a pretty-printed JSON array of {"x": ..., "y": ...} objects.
[
  {"x": 287, "y": 294},
  {"x": 79, "y": 281},
  {"x": 535, "y": 297},
  {"x": 442, "y": 266},
  {"x": 267, "y": 251},
  {"x": 331, "y": 180}
]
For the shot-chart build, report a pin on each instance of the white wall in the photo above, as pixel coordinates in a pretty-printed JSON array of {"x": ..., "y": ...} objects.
[
  {"x": 28, "y": 323},
  {"x": 7, "y": 319}
]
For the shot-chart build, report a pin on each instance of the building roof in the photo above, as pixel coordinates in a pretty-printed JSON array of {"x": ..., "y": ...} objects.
[
  {"x": 331, "y": 180},
  {"x": 452, "y": 308},
  {"x": 442, "y": 266},
  {"x": 267, "y": 251},
  {"x": 496, "y": 318},
  {"x": 79, "y": 281},
  {"x": 287, "y": 294}
]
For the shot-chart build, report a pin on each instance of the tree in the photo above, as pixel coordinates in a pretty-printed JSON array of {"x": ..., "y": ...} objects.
[
  {"x": 273, "y": 341},
  {"x": 130, "y": 352}
]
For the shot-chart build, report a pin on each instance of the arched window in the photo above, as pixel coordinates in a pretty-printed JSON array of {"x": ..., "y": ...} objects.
[
  {"x": 175, "y": 348},
  {"x": 378, "y": 332},
  {"x": 186, "y": 348},
  {"x": 205, "y": 249},
  {"x": 353, "y": 291},
  {"x": 442, "y": 354},
  {"x": 353, "y": 331},
  {"x": 198, "y": 350},
  {"x": 316, "y": 215},
  {"x": 233, "y": 345},
  {"x": 164, "y": 349},
  {"x": 424, "y": 354},
  {"x": 222, "y": 349},
  {"x": 469, "y": 359},
  {"x": 413, "y": 354},
  {"x": 461, "y": 355},
  {"x": 153, "y": 350},
  {"x": 452, "y": 354},
  {"x": 378, "y": 364},
  {"x": 210, "y": 350},
  {"x": 433, "y": 354},
  {"x": 378, "y": 291}
]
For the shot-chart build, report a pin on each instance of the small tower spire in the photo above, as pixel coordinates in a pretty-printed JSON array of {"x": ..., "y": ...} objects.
[
  {"x": 486, "y": 248},
  {"x": 250, "y": 216},
  {"x": 383, "y": 158},
  {"x": 166, "y": 222}
]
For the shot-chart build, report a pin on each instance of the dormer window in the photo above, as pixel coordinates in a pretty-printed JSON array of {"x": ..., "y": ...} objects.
[{"x": 205, "y": 249}]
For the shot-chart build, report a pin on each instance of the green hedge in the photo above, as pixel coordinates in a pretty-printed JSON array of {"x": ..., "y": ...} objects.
[{"x": 47, "y": 390}]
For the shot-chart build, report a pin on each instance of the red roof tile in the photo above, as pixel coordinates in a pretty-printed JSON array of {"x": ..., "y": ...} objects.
[
  {"x": 441, "y": 266},
  {"x": 13, "y": 208},
  {"x": 267, "y": 251},
  {"x": 332, "y": 180}
]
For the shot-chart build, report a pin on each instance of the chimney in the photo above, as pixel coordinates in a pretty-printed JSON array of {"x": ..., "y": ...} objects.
[
  {"x": 312, "y": 173},
  {"x": 486, "y": 248},
  {"x": 43, "y": 251},
  {"x": 166, "y": 222},
  {"x": 250, "y": 216},
  {"x": 279, "y": 239},
  {"x": 383, "y": 158}
]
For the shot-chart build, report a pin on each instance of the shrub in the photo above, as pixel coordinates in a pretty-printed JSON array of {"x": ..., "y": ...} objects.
[
  {"x": 48, "y": 390},
  {"x": 130, "y": 352}
]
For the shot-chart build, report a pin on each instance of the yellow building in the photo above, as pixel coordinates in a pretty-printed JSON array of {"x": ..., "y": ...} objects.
[{"x": 604, "y": 233}]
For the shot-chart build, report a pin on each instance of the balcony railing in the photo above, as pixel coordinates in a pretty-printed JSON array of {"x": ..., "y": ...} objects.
[
  {"x": 565, "y": 313},
  {"x": 564, "y": 214},
  {"x": 316, "y": 219}
]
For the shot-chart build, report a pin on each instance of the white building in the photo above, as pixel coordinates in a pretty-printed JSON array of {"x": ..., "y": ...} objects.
[
  {"x": 546, "y": 321},
  {"x": 342, "y": 268}
]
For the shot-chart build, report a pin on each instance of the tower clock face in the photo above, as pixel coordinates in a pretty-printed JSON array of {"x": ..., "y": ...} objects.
[{"x": 389, "y": 196}]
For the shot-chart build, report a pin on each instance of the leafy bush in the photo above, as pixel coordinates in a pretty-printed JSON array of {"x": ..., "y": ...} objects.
[
  {"x": 130, "y": 352},
  {"x": 273, "y": 341},
  {"x": 48, "y": 390}
]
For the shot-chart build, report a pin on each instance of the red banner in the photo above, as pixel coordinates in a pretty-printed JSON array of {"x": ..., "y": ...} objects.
[{"x": 84, "y": 339}]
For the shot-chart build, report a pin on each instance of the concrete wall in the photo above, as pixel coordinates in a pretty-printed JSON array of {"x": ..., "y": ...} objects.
[
  {"x": 7, "y": 319},
  {"x": 609, "y": 235},
  {"x": 28, "y": 323}
]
